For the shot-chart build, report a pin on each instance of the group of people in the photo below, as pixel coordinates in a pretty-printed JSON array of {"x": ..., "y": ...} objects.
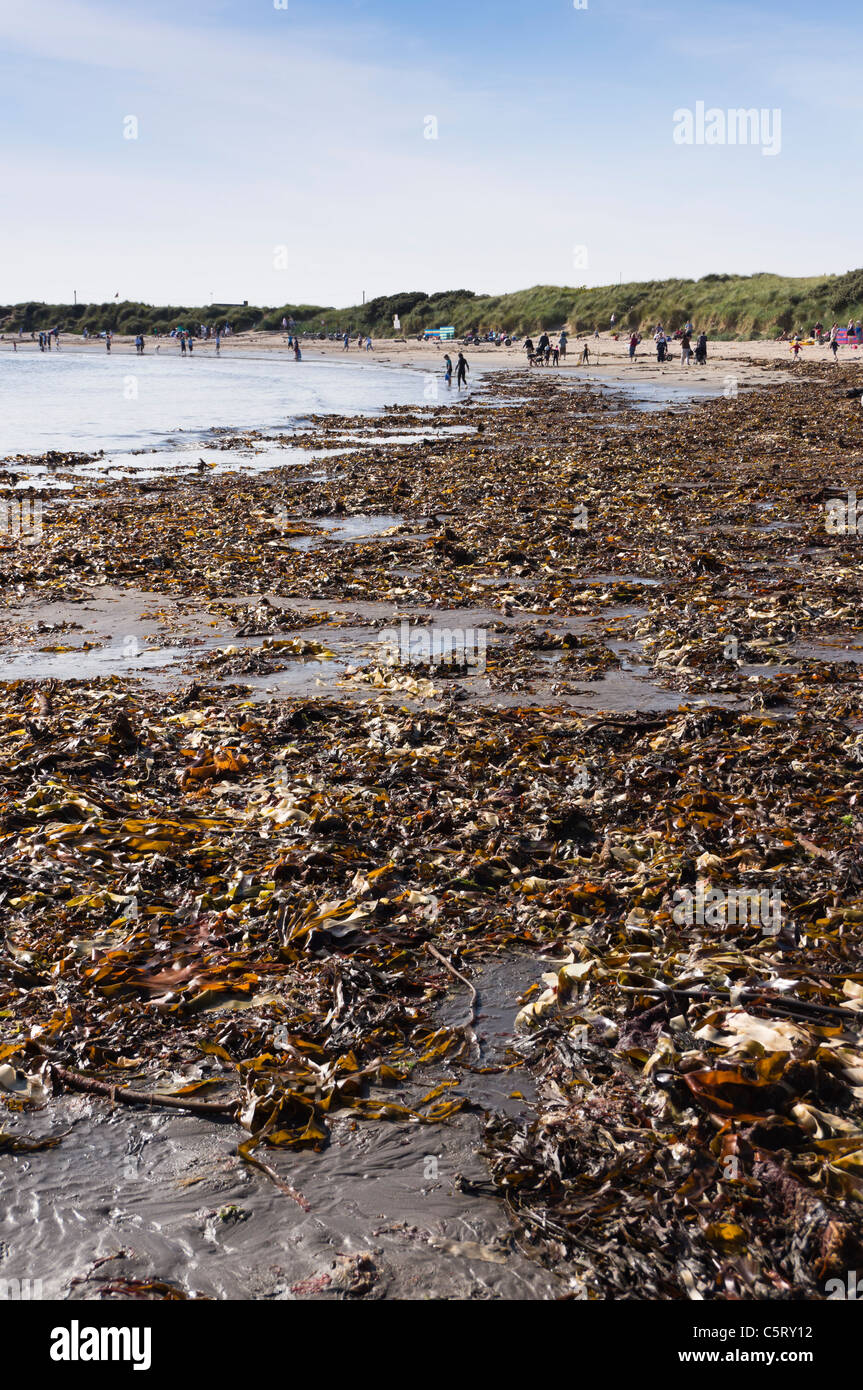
[
  {"x": 461, "y": 370},
  {"x": 853, "y": 337},
  {"x": 544, "y": 352},
  {"x": 45, "y": 339},
  {"x": 663, "y": 341},
  {"x": 362, "y": 341}
]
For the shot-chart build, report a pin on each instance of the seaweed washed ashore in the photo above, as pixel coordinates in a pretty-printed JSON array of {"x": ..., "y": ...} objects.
[{"x": 258, "y": 881}]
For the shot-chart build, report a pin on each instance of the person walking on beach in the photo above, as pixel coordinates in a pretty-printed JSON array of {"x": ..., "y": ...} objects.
[
  {"x": 555, "y": 357},
  {"x": 182, "y": 344},
  {"x": 218, "y": 342},
  {"x": 661, "y": 347},
  {"x": 633, "y": 344},
  {"x": 701, "y": 350},
  {"x": 298, "y": 356},
  {"x": 346, "y": 343},
  {"x": 368, "y": 344},
  {"x": 685, "y": 349},
  {"x": 108, "y": 341},
  {"x": 795, "y": 346},
  {"x": 564, "y": 339},
  {"x": 834, "y": 347},
  {"x": 585, "y": 355},
  {"x": 191, "y": 343},
  {"x": 447, "y": 369},
  {"x": 461, "y": 371}
]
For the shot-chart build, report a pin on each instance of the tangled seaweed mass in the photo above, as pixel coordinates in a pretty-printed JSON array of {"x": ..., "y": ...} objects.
[{"x": 242, "y": 882}]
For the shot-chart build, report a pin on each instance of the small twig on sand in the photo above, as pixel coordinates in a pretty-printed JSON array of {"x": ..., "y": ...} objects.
[
  {"x": 474, "y": 996},
  {"x": 245, "y": 1150}
]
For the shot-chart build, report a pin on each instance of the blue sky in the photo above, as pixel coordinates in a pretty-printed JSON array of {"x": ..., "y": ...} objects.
[{"x": 281, "y": 153}]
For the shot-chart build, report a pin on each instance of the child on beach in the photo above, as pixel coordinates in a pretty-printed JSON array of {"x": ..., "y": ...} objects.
[
  {"x": 585, "y": 355},
  {"x": 447, "y": 369}
]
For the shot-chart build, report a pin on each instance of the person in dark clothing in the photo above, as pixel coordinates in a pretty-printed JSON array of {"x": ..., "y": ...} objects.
[
  {"x": 701, "y": 350},
  {"x": 461, "y": 371}
]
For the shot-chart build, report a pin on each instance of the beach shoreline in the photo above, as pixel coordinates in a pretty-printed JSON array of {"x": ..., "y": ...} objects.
[{"x": 730, "y": 364}]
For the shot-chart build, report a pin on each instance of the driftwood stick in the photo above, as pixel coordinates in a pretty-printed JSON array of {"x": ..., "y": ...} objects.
[{"x": 74, "y": 1081}]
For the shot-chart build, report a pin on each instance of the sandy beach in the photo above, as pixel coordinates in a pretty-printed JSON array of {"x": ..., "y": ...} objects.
[
  {"x": 729, "y": 364},
  {"x": 393, "y": 930}
]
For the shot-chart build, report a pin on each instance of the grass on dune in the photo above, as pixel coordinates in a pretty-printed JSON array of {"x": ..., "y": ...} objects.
[{"x": 726, "y": 306}]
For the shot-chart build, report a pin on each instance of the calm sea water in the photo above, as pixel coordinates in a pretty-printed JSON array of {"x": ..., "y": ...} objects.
[{"x": 85, "y": 401}]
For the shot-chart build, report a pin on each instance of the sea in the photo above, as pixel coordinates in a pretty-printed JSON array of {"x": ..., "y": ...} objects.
[{"x": 84, "y": 400}]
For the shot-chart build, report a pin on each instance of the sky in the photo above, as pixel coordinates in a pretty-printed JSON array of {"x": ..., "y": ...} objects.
[{"x": 312, "y": 151}]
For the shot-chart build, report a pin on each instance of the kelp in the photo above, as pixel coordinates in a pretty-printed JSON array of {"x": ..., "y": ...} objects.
[{"x": 218, "y": 895}]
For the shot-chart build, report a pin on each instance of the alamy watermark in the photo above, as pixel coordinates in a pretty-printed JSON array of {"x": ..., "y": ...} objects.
[
  {"x": 843, "y": 517},
  {"x": 713, "y": 907},
  {"x": 710, "y": 125},
  {"x": 77, "y": 1343},
  {"x": 436, "y": 646},
  {"x": 20, "y": 1290},
  {"x": 22, "y": 519},
  {"x": 851, "y": 1288}
]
